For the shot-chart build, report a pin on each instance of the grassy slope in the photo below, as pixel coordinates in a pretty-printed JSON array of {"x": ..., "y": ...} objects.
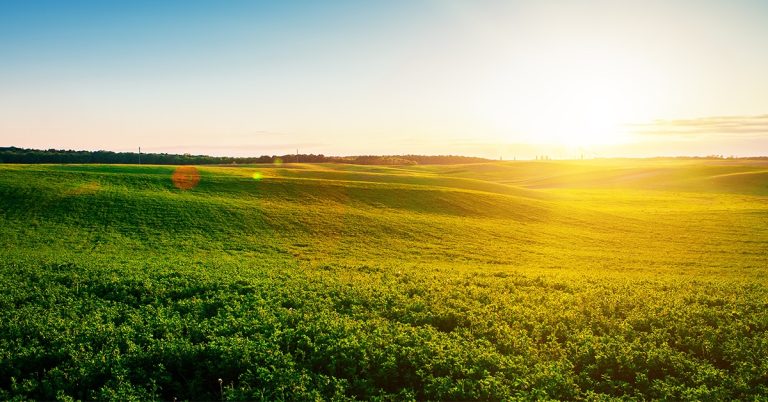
[{"x": 550, "y": 279}]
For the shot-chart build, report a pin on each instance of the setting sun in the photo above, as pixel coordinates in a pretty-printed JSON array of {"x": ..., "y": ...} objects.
[
  {"x": 583, "y": 112},
  {"x": 573, "y": 98}
]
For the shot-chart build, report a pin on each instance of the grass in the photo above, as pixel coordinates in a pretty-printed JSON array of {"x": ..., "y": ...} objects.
[{"x": 637, "y": 279}]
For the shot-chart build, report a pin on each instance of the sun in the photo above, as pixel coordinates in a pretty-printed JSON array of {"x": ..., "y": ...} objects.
[
  {"x": 582, "y": 113},
  {"x": 570, "y": 101}
]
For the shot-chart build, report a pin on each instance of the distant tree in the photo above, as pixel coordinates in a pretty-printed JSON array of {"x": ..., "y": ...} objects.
[{"x": 23, "y": 155}]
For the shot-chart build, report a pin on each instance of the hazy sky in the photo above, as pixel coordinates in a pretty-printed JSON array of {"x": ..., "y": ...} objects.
[{"x": 487, "y": 78}]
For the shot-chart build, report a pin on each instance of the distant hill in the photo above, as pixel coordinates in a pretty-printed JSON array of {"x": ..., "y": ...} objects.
[{"x": 24, "y": 155}]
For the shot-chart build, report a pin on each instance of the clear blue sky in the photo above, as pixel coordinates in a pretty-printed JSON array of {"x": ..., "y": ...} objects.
[{"x": 348, "y": 77}]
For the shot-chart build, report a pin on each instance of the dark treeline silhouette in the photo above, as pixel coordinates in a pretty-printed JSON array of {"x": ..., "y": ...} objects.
[{"x": 23, "y": 155}]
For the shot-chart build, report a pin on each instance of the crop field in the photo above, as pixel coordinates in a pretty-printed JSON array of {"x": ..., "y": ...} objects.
[{"x": 576, "y": 280}]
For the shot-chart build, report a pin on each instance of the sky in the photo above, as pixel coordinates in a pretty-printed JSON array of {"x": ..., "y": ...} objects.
[{"x": 498, "y": 79}]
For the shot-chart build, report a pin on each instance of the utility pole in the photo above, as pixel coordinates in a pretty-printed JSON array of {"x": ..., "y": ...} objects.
[
  {"x": 139, "y": 155},
  {"x": 297, "y": 155}
]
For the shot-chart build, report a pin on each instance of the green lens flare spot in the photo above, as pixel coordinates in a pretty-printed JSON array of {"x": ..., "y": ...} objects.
[{"x": 257, "y": 176}]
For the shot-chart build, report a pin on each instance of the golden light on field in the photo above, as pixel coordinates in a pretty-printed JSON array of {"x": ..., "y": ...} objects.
[{"x": 185, "y": 177}]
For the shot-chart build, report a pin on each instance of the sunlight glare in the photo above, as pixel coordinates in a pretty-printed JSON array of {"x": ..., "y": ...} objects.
[{"x": 572, "y": 99}]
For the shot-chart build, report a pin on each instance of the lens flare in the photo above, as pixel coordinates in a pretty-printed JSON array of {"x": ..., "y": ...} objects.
[
  {"x": 185, "y": 177},
  {"x": 278, "y": 161},
  {"x": 257, "y": 176}
]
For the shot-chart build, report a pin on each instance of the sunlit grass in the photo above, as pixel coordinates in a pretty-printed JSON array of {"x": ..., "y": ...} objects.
[{"x": 567, "y": 280}]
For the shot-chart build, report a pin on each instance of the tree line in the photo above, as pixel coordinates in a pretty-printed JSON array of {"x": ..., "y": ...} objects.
[{"x": 25, "y": 155}]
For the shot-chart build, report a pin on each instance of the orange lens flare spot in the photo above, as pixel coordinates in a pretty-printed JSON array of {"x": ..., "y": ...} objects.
[{"x": 185, "y": 177}]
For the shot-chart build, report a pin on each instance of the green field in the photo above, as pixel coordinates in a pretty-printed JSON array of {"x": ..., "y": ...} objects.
[{"x": 636, "y": 279}]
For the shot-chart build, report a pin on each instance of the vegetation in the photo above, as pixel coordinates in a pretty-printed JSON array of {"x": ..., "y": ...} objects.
[
  {"x": 637, "y": 279},
  {"x": 22, "y": 155}
]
